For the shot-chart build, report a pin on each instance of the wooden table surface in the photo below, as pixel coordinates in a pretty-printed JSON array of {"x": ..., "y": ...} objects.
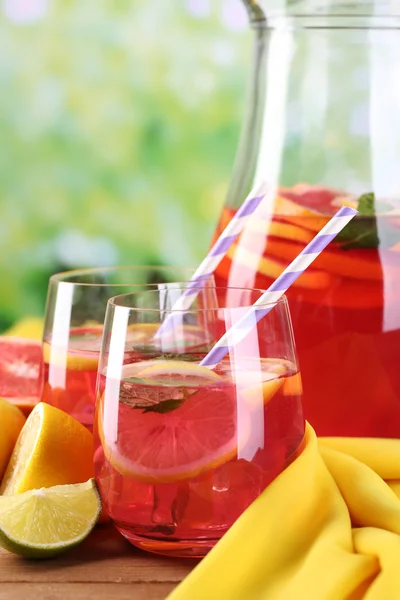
[{"x": 103, "y": 567}]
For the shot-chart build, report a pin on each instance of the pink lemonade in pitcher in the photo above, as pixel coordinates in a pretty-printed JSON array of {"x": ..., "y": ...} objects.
[
  {"x": 345, "y": 307},
  {"x": 182, "y": 451},
  {"x": 321, "y": 128}
]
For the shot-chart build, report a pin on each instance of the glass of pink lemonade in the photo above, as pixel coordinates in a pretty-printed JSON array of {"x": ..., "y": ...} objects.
[
  {"x": 182, "y": 450},
  {"x": 76, "y": 305}
]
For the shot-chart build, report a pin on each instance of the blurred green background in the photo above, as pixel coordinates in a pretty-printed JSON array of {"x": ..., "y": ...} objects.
[{"x": 119, "y": 123}]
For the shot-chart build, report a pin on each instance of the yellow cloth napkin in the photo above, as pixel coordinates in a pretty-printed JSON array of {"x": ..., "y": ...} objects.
[{"x": 328, "y": 528}]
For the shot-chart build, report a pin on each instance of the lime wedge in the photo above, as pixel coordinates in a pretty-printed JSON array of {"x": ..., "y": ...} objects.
[{"x": 48, "y": 521}]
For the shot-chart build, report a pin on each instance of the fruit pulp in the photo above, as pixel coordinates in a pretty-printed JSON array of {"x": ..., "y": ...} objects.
[
  {"x": 344, "y": 310},
  {"x": 20, "y": 371},
  {"x": 177, "y": 459}
]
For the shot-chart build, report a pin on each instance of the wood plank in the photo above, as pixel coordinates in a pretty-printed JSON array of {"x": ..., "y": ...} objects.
[
  {"x": 85, "y": 591},
  {"x": 104, "y": 566}
]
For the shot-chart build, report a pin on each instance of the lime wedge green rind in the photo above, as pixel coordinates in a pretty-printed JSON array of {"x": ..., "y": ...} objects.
[{"x": 46, "y": 522}]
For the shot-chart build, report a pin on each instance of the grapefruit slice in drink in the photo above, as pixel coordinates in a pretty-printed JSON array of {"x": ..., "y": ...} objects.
[
  {"x": 20, "y": 364},
  {"x": 195, "y": 431}
]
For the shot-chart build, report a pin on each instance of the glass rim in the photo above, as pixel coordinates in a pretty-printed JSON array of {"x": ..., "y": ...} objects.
[
  {"x": 112, "y": 302},
  {"x": 64, "y": 276}
]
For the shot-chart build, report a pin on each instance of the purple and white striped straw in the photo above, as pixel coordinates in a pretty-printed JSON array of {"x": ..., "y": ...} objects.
[
  {"x": 246, "y": 323},
  {"x": 214, "y": 257}
]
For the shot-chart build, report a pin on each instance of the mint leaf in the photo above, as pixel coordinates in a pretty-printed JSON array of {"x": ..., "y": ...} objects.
[
  {"x": 366, "y": 204},
  {"x": 164, "y": 406},
  {"x": 159, "y": 400},
  {"x": 146, "y": 397},
  {"x": 362, "y": 231},
  {"x": 189, "y": 357}
]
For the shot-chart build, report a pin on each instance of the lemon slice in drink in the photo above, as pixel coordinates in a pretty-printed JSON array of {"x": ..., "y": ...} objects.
[
  {"x": 197, "y": 433},
  {"x": 177, "y": 371},
  {"x": 141, "y": 332},
  {"x": 261, "y": 394},
  {"x": 259, "y": 379},
  {"x": 82, "y": 353},
  {"x": 74, "y": 361},
  {"x": 44, "y": 522}
]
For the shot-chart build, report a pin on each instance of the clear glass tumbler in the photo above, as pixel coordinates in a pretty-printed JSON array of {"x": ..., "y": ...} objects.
[
  {"x": 76, "y": 305},
  {"x": 182, "y": 450}
]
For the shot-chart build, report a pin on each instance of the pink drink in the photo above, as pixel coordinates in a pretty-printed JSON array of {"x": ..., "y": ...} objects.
[
  {"x": 70, "y": 373},
  {"x": 180, "y": 453},
  {"x": 345, "y": 309},
  {"x": 70, "y": 370}
]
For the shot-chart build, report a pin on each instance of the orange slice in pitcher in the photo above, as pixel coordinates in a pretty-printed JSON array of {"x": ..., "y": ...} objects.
[
  {"x": 313, "y": 205},
  {"x": 291, "y": 211},
  {"x": 271, "y": 267},
  {"x": 198, "y": 434},
  {"x": 279, "y": 229},
  {"x": 343, "y": 264}
]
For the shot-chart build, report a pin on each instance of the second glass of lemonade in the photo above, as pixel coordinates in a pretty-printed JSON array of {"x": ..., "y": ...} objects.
[{"x": 76, "y": 305}]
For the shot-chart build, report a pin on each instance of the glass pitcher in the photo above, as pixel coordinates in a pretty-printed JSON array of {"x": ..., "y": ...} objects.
[{"x": 322, "y": 128}]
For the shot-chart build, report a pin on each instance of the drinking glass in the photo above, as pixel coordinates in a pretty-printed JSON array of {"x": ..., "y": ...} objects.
[
  {"x": 76, "y": 305},
  {"x": 182, "y": 450}
]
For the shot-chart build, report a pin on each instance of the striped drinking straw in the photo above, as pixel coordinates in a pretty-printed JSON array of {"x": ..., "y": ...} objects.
[
  {"x": 214, "y": 257},
  {"x": 246, "y": 323}
]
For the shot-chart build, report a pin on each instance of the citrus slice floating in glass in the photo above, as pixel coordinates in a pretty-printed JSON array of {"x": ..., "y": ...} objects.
[
  {"x": 181, "y": 339},
  {"x": 141, "y": 332},
  {"x": 82, "y": 353},
  {"x": 177, "y": 372},
  {"x": 199, "y": 432},
  {"x": 259, "y": 379},
  {"x": 263, "y": 392},
  {"x": 44, "y": 522}
]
